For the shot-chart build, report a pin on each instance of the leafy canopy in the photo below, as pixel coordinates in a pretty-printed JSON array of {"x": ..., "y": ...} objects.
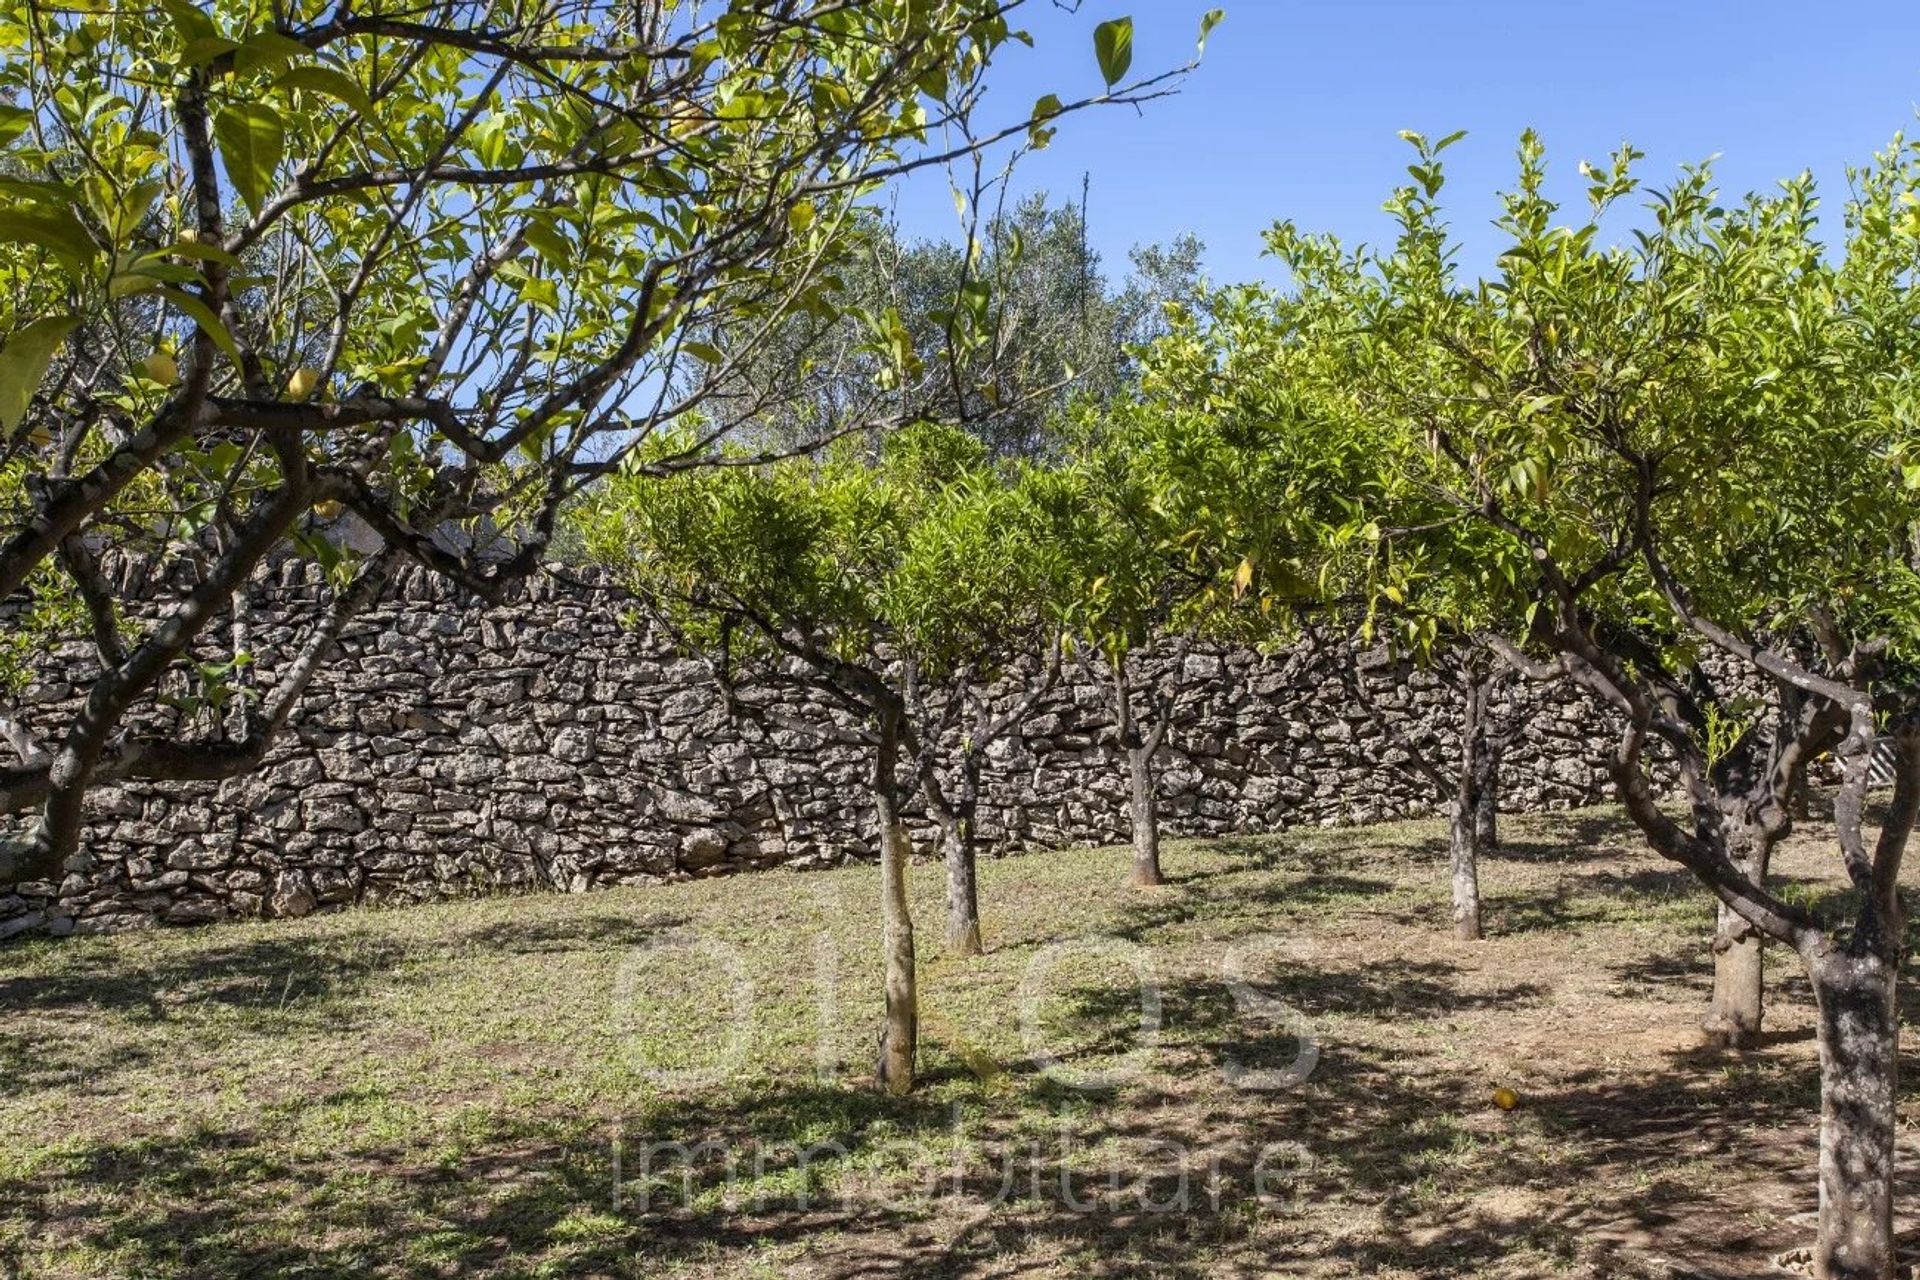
[
  {"x": 923, "y": 550},
  {"x": 1720, "y": 404}
]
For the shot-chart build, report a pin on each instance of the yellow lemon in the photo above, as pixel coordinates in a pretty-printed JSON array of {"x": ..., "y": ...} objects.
[
  {"x": 1505, "y": 1098},
  {"x": 303, "y": 383},
  {"x": 161, "y": 368},
  {"x": 189, "y": 236}
]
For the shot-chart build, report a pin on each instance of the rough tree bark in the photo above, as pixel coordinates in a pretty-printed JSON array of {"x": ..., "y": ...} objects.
[
  {"x": 1755, "y": 803},
  {"x": 955, "y": 803},
  {"x": 1855, "y": 981},
  {"x": 1854, "y": 992},
  {"x": 902, "y": 1026},
  {"x": 1853, "y": 965},
  {"x": 1141, "y": 743},
  {"x": 1486, "y": 812},
  {"x": 963, "y": 882},
  {"x": 1735, "y": 1009},
  {"x": 1143, "y": 811},
  {"x": 1463, "y": 825}
]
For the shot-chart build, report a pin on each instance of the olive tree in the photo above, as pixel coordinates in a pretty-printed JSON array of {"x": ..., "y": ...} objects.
[
  {"x": 435, "y": 265},
  {"x": 1052, "y": 326},
  {"x": 1694, "y": 458}
]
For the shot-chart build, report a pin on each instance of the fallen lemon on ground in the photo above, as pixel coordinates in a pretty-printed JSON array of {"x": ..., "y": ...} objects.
[{"x": 1505, "y": 1098}]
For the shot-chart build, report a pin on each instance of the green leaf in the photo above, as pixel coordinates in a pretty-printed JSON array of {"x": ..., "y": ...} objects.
[
  {"x": 13, "y": 123},
  {"x": 550, "y": 244},
  {"x": 23, "y": 363},
  {"x": 38, "y": 189},
  {"x": 189, "y": 21},
  {"x": 205, "y": 49},
  {"x": 134, "y": 209},
  {"x": 326, "y": 80},
  {"x": 1207, "y": 23},
  {"x": 1047, "y": 108},
  {"x": 126, "y": 284},
  {"x": 252, "y": 140},
  {"x": 56, "y": 230},
  {"x": 1113, "y": 46},
  {"x": 703, "y": 352},
  {"x": 266, "y": 49},
  {"x": 542, "y": 293},
  {"x": 203, "y": 316}
]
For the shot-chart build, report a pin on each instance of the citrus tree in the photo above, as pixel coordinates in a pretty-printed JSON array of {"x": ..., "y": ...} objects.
[
  {"x": 1126, "y": 591},
  {"x": 896, "y": 580},
  {"x": 781, "y": 566},
  {"x": 974, "y": 616},
  {"x": 1278, "y": 540},
  {"x": 1201, "y": 517},
  {"x": 433, "y": 268},
  {"x": 1691, "y": 460}
]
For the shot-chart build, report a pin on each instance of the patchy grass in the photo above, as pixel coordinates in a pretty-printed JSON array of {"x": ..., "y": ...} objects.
[{"x": 671, "y": 1081}]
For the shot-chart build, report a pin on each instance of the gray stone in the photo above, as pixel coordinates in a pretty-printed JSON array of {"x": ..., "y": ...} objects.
[
  {"x": 292, "y": 897},
  {"x": 701, "y": 848},
  {"x": 454, "y": 745}
]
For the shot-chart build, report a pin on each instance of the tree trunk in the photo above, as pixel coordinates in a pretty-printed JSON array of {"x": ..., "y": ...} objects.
[
  {"x": 899, "y": 1038},
  {"x": 1143, "y": 805},
  {"x": 954, "y": 814},
  {"x": 1486, "y": 809},
  {"x": 1859, "y": 1035},
  {"x": 1739, "y": 971},
  {"x": 1739, "y": 978},
  {"x": 1463, "y": 824},
  {"x": 1145, "y": 812},
  {"x": 963, "y": 892},
  {"x": 1800, "y": 796},
  {"x": 1463, "y": 847}
]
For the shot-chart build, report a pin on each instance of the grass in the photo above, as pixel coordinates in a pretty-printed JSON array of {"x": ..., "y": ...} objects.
[{"x": 672, "y": 1081}]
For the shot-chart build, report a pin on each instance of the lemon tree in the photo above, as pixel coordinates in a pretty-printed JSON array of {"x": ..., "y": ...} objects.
[
  {"x": 426, "y": 270},
  {"x": 1677, "y": 470}
]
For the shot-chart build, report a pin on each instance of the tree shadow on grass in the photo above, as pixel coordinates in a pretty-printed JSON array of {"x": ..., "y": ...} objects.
[
  {"x": 252, "y": 971},
  {"x": 1259, "y": 905},
  {"x": 1575, "y": 837},
  {"x": 282, "y": 980},
  {"x": 575, "y": 932},
  {"x": 1383, "y": 1156},
  {"x": 1598, "y": 899}
]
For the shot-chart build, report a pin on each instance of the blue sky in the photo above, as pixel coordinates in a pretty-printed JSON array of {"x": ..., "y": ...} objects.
[{"x": 1296, "y": 109}]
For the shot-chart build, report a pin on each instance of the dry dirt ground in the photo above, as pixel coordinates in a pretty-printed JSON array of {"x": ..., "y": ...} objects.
[{"x": 670, "y": 1081}]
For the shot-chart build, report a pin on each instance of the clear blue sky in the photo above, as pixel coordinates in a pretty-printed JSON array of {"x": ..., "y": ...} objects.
[{"x": 1296, "y": 109}]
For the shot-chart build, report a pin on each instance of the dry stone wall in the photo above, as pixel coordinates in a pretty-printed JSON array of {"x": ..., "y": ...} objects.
[{"x": 455, "y": 748}]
